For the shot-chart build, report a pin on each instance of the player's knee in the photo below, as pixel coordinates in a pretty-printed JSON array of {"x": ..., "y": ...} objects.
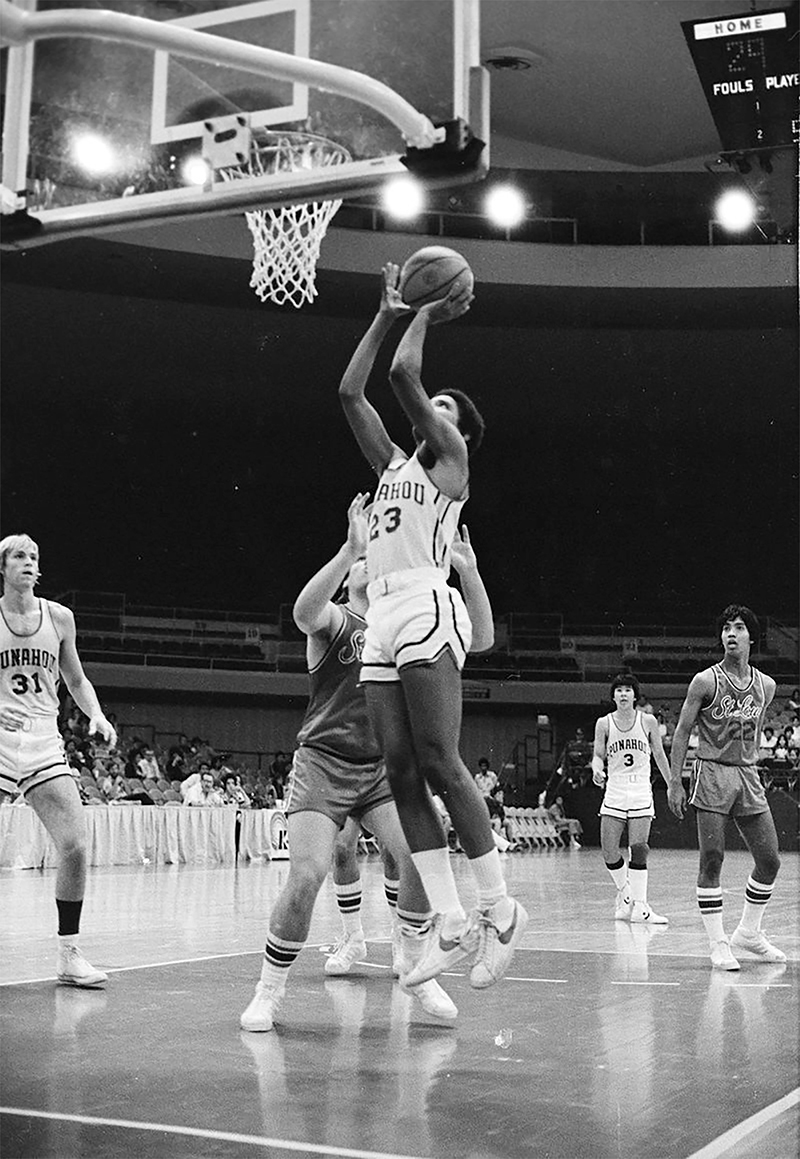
[
  {"x": 767, "y": 866},
  {"x": 711, "y": 862},
  {"x": 306, "y": 880},
  {"x": 343, "y": 855},
  {"x": 639, "y": 852}
]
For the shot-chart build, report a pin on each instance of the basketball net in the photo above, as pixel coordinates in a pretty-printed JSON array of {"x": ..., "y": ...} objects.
[{"x": 287, "y": 238}]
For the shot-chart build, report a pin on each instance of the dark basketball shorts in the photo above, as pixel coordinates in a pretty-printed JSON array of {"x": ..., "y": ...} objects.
[
  {"x": 323, "y": 783},
  {"x": 734, "y": 790}
]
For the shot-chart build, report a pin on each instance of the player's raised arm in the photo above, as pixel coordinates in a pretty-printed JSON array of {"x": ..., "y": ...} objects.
[
  {"x": 406, "y": 374},
  {"x": 314, "y": 611},
  {"x": 365, "y": 422}
]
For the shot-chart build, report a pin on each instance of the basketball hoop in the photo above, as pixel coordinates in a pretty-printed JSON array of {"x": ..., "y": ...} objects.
[{"x": 287, "y": 238}]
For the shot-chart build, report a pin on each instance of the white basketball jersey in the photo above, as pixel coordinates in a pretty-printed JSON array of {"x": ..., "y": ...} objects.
[
  {"x": 627, "y": 753},
  {"x": 29, "y": 673},
  {"x": 411, "y": 523}
]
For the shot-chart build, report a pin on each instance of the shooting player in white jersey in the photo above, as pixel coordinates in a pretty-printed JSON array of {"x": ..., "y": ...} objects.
[
  {"x": 418, "y": 634},
  {"x": 37, "y": 648},
  {"x": 728, "y": 702},
  {"x": 624, "y": 741}
]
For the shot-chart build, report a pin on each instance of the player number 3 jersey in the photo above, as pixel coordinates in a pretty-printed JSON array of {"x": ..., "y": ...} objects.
[
  {"x": 411, "y": 523},
  {"x": 628, "y": 752}
]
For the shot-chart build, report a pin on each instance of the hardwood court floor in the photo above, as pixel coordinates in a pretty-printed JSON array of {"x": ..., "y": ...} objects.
[{"x": 605, "y": 1041}]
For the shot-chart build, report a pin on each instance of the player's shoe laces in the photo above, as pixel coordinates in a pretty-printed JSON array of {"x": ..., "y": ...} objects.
[
  {"x": 441, "y": 952},
  {"x": 622, "y": 906},
  {"x": 348, "y": 950},
  {"x": 721, "y": 956},
  {"x": 495, "y": 946},
  {"x": 752, "y": 944},
  {"x": 641, "y": 914},
  {"x": 433, "y": 999},
  {"x": 260, "y": 1014},
  {"x": 72, "y": 969}
]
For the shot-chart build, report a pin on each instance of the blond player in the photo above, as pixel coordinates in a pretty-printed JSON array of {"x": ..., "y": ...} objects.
[{"x": 37, "y": 648}]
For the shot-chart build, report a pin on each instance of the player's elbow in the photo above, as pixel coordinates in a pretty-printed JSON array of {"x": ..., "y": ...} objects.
[{"x": 482, "y": 640}]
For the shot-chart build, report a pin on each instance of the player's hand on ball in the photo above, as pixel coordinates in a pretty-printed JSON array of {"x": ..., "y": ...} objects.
[
  {"x": 457, "y": 302},
  {"x": 391, "y": 302}
]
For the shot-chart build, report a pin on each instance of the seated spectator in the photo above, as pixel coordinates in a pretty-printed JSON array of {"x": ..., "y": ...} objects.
[
  {"x": 541, "y": 809},
  {"x": 176, "y": 767},
  {"x": 203, "y": 793},
  {"x": 147, "y": 767},
  {"x": 768, "y": 741},
  {"x": 232, "y": 791},
  {"x": 569, "y": 828},
  {"x": 794, "y": 732},
  {"x": 486, "y": 779},
  {"x": 793, "y": 703},
  {"x": 279, "y": 772},
  {"x": 780, "y": 753}
]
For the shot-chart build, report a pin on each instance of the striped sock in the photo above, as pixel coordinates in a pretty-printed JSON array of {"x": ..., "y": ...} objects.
[
  {"x": 390, "y": 888},
  {"x": 710, "y": 902},
  {"x": 348, "y": 899},
  {"x": 756, "y": 896},
  {"x": 279, "y": 955}
]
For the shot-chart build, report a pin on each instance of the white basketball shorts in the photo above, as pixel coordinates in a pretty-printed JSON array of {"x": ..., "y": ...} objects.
[{"x": 413, "y": 617}]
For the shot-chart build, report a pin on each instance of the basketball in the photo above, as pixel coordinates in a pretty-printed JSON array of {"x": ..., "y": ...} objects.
[{"x": 431, "y": 273}]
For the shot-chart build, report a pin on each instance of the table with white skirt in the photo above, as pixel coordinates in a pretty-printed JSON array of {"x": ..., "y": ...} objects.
[{"x": 130, "y": 834}]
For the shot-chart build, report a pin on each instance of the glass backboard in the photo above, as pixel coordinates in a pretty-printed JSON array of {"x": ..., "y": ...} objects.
[{"x": 100, "y": 130}]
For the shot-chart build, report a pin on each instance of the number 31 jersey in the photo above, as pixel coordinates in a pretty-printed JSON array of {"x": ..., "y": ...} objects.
[
  {"x": 411, "y": 523},
  {"x": 29, "y": 673}
]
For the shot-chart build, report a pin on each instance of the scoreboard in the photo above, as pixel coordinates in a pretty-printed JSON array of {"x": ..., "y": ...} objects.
[{"x": 749, "y": 67}]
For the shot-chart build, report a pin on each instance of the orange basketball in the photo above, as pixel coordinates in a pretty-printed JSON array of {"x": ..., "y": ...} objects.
[{"x": 431, "y": 273}]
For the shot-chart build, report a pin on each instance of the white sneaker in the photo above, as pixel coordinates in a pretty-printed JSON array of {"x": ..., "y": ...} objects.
[
  {"x": 398, "y": 964},
  {"x": 348, "y": 950},
  {"x": 433, "y": 999},
  {"x": 260, "y": 1014},
  {"x": 622, "y": 906},
  {"x": 721, "y": 956},
  {"x": 642, "y": 914},
  {"x": 496, "y": 947},
  {"x": 72, "y": 969},
  {"x": 754, "y": 945},
  {"x": 441, "y": 953}
]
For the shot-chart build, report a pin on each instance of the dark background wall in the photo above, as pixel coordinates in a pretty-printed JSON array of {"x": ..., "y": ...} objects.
[{"x": 193, "y": 451}]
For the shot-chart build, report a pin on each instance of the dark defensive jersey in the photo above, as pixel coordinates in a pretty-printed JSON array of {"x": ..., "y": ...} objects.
[
  {"x": 729, "y": 727},
  {"x": 336, "y": 719}
]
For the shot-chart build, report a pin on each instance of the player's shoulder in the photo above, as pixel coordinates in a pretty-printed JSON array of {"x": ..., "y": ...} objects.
[{"x": 62, "y": 615}]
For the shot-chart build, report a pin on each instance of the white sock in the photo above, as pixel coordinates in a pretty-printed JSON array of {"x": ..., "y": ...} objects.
[
  {"x": 436, "y": 874},
  {"x": 710, "y": 902},
  {"x": 638, "y": 880},
  {"x": 489, "y": 880}
]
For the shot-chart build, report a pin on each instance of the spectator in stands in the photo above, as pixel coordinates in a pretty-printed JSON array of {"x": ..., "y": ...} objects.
[
  {"x": 575, "y": 759},
  {"x": 780, "y": 752},
  {"x": 232, "y": 791},
  {"x": 279, "y": 772},
  {"x": 113, "y": 786},
  {"x": 793, "y": 703},
  {"x": 147, "y": 766},
  {"x": 486, "y": 779},
  {"x": 768, "y": 742},
  {"x": 205, "y": 793},
  {"x": 794, "y": 732},
  {"x": 569, "y": 828},
  {"x": 541, "y": 809}
]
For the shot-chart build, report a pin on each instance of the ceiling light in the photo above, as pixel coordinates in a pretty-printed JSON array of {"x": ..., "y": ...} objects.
[
  {"x": 402, "y": 198},
  {"x": 735, "y": 210},
  {"x": 93, "y": 153},
  {"x": 505, "y": 206}
]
